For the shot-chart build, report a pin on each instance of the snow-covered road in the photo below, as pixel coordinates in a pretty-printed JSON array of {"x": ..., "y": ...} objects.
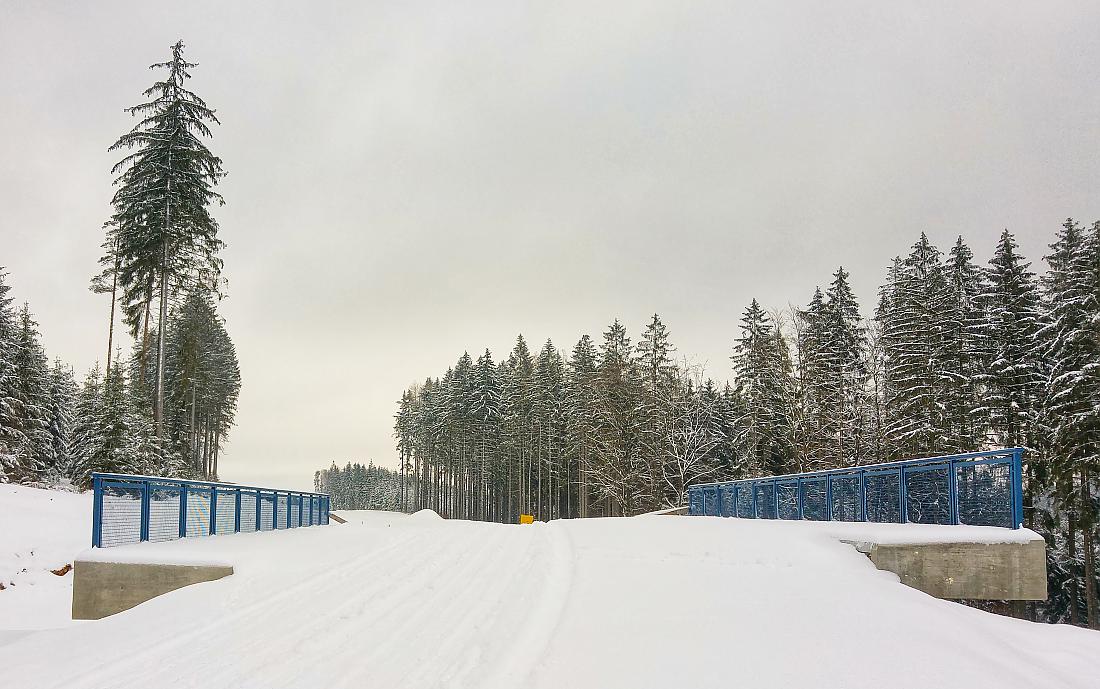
[{"x": 395, "y": 601}]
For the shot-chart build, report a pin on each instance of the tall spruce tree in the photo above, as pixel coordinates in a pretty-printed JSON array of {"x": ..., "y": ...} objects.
[
  {"x": 916, "y": 298},
  {"x": 581, "y": 429},
  {"x": 813, "y": 385},
  {"x": 1011, "y": 361},
  {"x": 60, "y": 418},
  {"x": 12, "y": 437},
  {"x": 964, "y": 339},
  {"x": 659, "y": 395},
  {"x": 618, "y": 452},
  {"x": 32, "y": 390},
  {"x": 1071, "y": 407},
  {"x": 165, "y": 237},
  {"x": 765, "y": 386}
]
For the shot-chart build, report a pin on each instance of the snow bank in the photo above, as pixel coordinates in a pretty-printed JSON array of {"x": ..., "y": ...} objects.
[
  {"x": 898, "y": 534},
  {"x": 646, "y": 602},
  {"x": 426, "y": 515},
  {"x": 40, "y": 531}
]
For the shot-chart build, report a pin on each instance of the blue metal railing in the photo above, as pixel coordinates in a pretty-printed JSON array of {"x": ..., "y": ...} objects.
[
  {"x": 130, "y": 509},
  {"x": 977, "y": 488}
]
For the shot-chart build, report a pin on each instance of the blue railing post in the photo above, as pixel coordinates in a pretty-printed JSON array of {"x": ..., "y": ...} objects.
[
  {"x": 903, "y": 495},
  {"x": 755, "y": 502},
  {"x": 97, "y": 512},
  {"x": 259, "y": 511},
  {"x": 275, "y": 511},
  {"x": 863, "y": 495},
  {"x": 145, "y": 511},
  {"x": 775, "y": 496},
  {"x": 183, "y": 511},
  {"x": 801, "y": 506},
  {"x": 952, "y": 492},
  {"x": 1017, "y": 480},
  {"x": 237, "y": 510},
  {"x": 214, "y": 511},
  {"x": 828, "y": 497}
]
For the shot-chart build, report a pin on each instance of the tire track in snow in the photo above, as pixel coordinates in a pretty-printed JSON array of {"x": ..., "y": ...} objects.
[
  {"x": 174, "y": 650},
  {"x": 557, "y": 578}
]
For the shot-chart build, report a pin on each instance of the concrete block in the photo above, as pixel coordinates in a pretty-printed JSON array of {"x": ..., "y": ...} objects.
[
  {"x": 104, "y": 588},
  {"x": 974, "y": 571}
]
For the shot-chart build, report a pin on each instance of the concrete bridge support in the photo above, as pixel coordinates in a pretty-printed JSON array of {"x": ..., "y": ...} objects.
[
  {"x": 966, "y": 571},
  {"x": 104, "y": 588}
]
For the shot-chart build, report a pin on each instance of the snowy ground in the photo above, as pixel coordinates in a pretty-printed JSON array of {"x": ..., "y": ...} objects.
[
  {"x": 40, "y": 531},
  {"x": 394, "y": 601}
]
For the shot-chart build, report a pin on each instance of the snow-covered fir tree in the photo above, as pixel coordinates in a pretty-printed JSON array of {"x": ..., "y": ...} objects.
[
  {"x": 162, "y": 238},
  {"x": 60, "y": 418},
  {"x": 765, "y": 385}
]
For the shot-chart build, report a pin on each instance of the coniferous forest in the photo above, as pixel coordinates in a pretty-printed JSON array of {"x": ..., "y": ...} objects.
[
  {"x": 358, "y": 487},
  {"x": 955, "y": 356},
  {"x": 167, "y": 408}
]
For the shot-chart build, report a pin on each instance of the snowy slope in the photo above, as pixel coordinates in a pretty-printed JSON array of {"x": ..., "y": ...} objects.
[
  {"x": 392, "y": 601},
  {"x": 40, "y": 530}
]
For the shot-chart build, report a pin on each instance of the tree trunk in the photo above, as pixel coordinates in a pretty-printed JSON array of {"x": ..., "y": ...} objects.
[
  {"x": 158, "y": 407},
  {"x": 158, "y": 403},
  {"x": 194, "y": 429},
  {"x": 1088, "y": 525},
  {"x": 1071, "y": 550},
  {"x": 145, "y": 331},
  {"x": 111, "y": 326}
]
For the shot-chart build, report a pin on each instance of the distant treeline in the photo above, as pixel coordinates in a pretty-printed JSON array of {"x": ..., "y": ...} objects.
[
  {"x": 358, "y": 487},
  {"x": 957, "y": 357}
]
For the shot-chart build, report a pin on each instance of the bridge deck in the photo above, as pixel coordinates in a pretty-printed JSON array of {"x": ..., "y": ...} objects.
[{"x": 655, "y": 601}]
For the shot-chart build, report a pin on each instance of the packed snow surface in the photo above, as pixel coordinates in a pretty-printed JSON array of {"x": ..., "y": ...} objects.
[
  {"x": 40, "y": 531},
  {"x": 389, "y": 600}
]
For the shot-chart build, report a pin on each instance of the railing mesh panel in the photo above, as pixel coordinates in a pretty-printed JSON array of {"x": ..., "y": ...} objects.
[
  {"x": 695, "y": 502},
  {"x": 710, "y": 506},
  {"x": 883, "y": 497},
  {"x": 248, "y": 512},
  {"x": 788, "y": 500},
  {"x": 226, "y": 512},
  {"x": 280, "y": 515},
  {"x": 813, "y": 500},
  {"x": 985, "y": 493},
  {"x": 847, "y": 504},
  {"x": 765, "y": 500},
  {"x": 928, "y": 496},
  {"x": 267, "y": 510},
  {"x": 744, "y": 502},
  {"x": 198, "y": 512},
  {"x": 295, "y": 511},
  {"x": 121, "y": 515},
  {"x": 164, "y": 513}
]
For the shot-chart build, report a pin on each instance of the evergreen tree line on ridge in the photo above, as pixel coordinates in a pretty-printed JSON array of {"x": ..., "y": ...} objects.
[
  {"x": 358, "y": 487},
  {"x": 168, "y": 409},
  {"x": 957, "y": 357}
]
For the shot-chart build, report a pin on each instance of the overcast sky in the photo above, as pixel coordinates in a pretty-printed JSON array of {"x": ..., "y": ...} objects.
[{"x": 409, "y": 180}]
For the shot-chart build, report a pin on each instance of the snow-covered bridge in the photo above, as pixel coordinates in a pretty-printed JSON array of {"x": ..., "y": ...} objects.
[{"x": 416, "y": 601}]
